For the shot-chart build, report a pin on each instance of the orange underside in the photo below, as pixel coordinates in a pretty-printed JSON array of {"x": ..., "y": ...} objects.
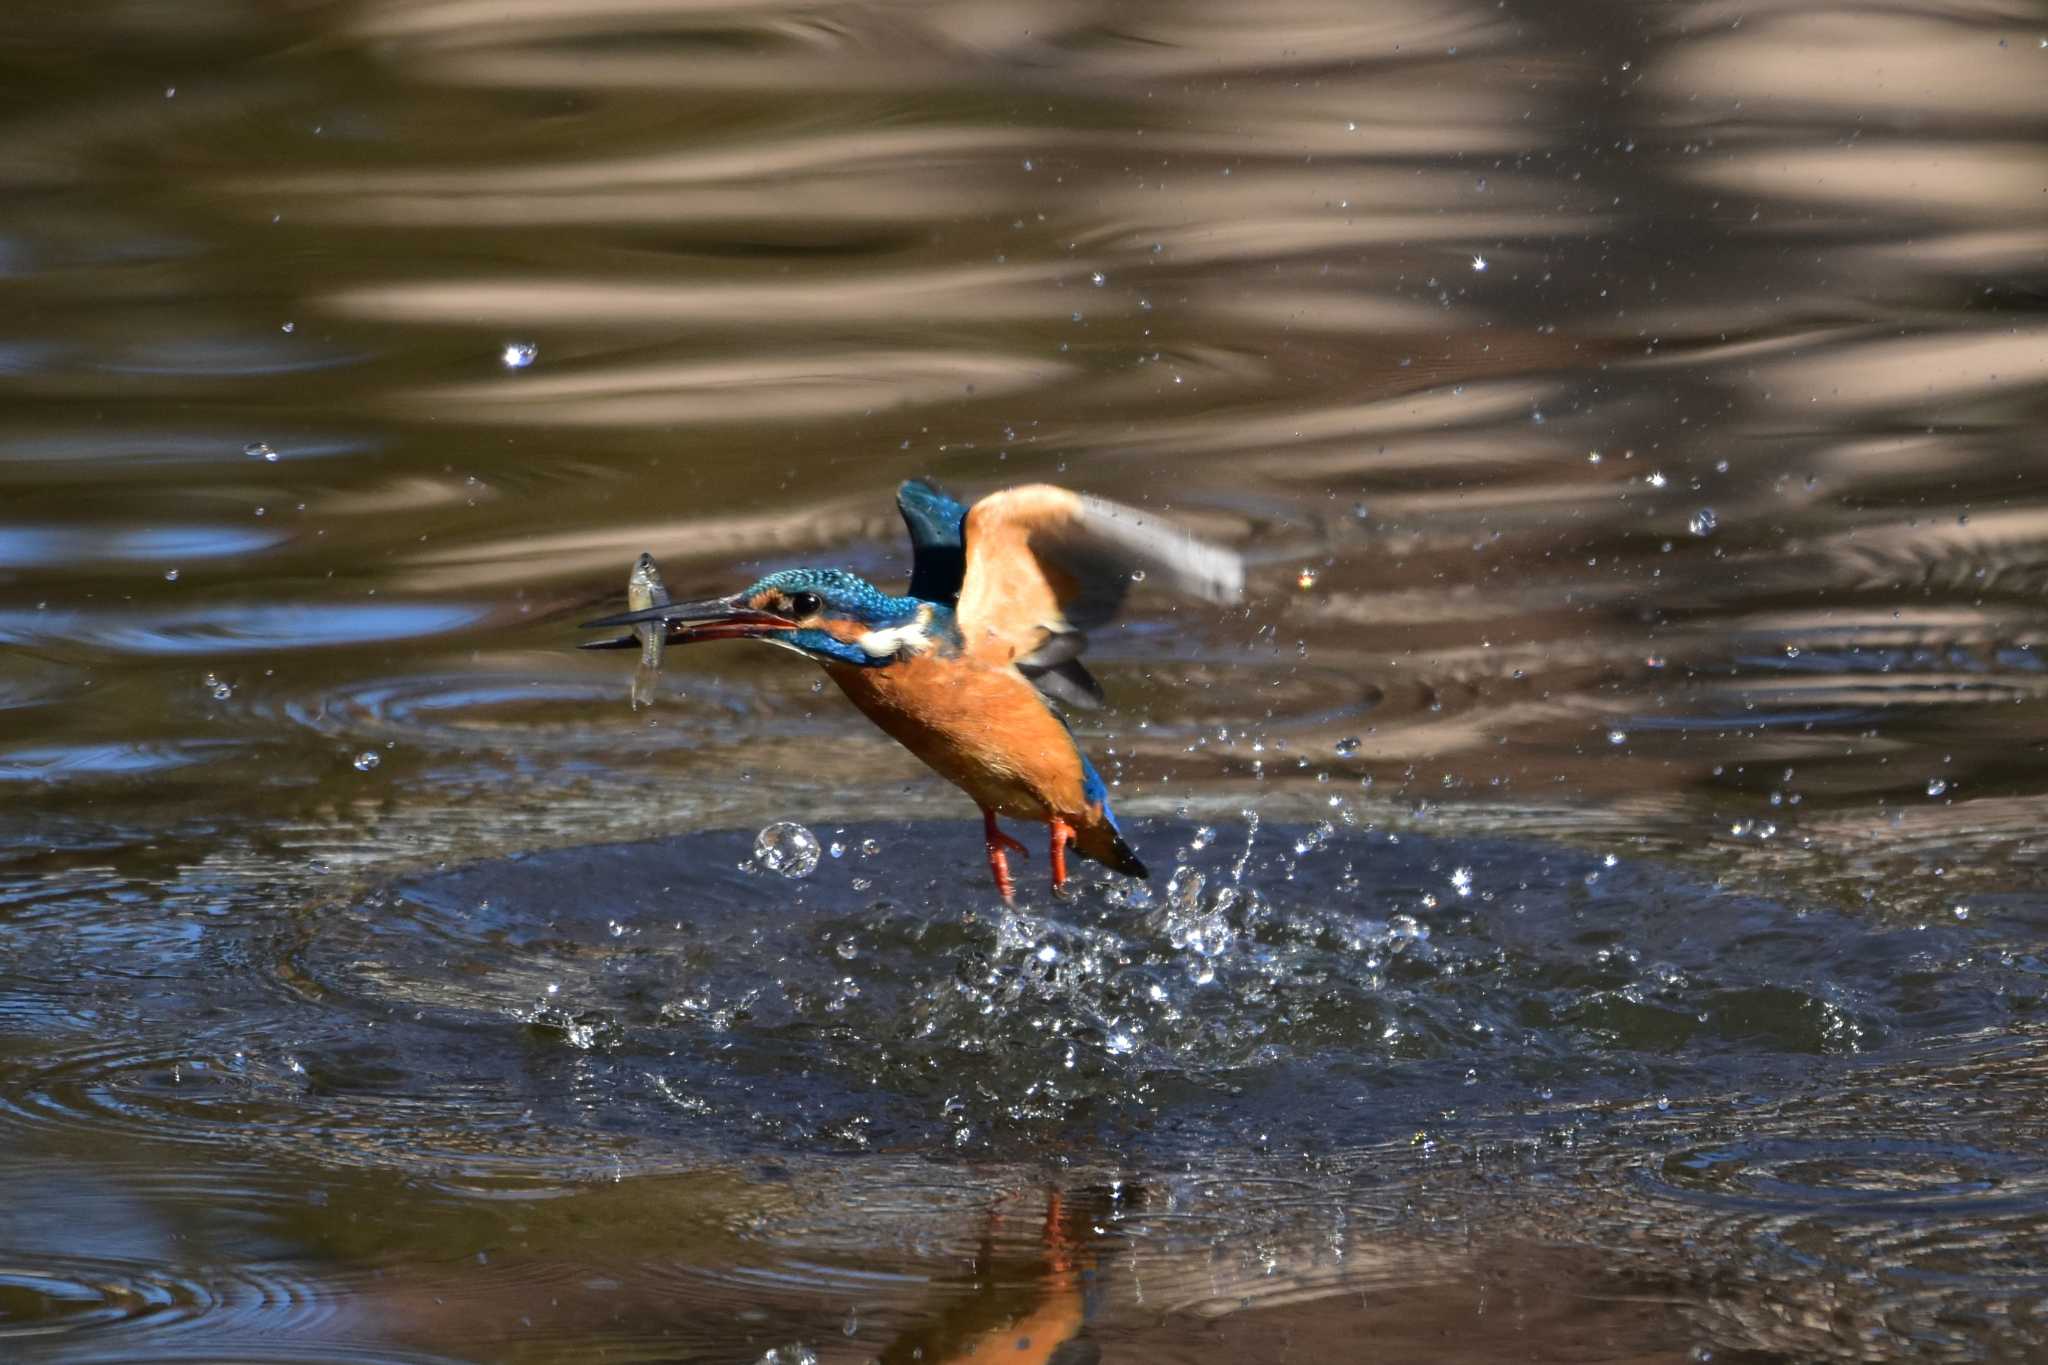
[{"x": 983, "y": 727}]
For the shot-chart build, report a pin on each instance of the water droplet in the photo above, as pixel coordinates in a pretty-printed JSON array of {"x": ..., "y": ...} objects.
[
  {"x": 1962, "y": 912},
  {"x": 517, "y": 355},
  {"x": 367, "y": 760},
  {"x": 1137, "y": 575},
  {"x": 1204, "y": 837},
  {"x": 1098, "y": 279},
  {"x": 1617, "y": 736},
  {"x": 1479, "y": 265},
  {"x": 289, "y": 327},
  {"x": 1936, "y": 787},
  {"x": 1663, "y": 1103},
  {"x": 170, "y": 575},
  {"x": 788, "y": 848},
  {"x": 1703, "y": 522},
  {"x": 257, "y": 450},
  {"x": 1348, "y": 745},
  {"x": 1461, "y": 880},
  {"x": 1656, "y": 479},
  {"x": 1306, "y": 579},
  {"x": 869, "y": 848}
]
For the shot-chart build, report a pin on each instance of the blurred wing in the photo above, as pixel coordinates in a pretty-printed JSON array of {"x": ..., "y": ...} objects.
[
  {"x": 1045, "y": 565},
  {"x": 935, "y": 522}
]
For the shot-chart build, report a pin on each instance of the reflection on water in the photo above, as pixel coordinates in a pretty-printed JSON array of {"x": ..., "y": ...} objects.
[{"x": 1629, "y": 416}]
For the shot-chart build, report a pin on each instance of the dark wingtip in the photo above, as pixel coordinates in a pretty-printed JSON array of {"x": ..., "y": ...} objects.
[{"x": 623, "y": 642}]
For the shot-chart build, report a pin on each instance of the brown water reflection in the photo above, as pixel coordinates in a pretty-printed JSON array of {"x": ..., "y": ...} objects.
[{"x": 1630, "y": 417}]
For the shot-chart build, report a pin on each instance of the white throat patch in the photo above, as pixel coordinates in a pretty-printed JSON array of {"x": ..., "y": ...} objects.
[{"x": 912, "y": 637}]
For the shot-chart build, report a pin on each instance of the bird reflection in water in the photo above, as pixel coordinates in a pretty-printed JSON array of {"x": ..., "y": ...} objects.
[{"x": 1031, "y": 1310}]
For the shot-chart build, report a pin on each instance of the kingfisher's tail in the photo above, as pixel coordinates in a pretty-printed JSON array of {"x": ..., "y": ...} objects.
[{"x": 1105, "y": 844}]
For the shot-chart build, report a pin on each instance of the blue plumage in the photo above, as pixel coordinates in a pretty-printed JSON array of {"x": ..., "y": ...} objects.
[
  {"x": 938, "y": 541},
  {"x": 848, "y": 597},
  {"x": 845, "y": 594}
]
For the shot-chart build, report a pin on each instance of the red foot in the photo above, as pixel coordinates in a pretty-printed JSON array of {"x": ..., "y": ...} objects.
[
  {"x": 998, "y": 864},
  {"x": 1062, "y": 835}
]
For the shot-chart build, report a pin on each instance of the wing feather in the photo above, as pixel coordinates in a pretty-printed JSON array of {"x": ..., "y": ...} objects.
[{"x": 1045, "y": 563}]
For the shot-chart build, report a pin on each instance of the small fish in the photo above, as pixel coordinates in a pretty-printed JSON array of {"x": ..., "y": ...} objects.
[{"x": 644, "y": 589}]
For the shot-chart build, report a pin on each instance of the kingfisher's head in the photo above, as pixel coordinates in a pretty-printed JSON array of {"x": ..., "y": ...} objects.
[{"x": 828, "y": 614}]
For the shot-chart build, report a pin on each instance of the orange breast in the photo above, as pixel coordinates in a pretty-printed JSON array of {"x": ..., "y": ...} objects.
[{"x": 981, "y": 726}]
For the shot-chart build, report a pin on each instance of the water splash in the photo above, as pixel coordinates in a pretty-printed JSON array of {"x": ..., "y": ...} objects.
[{"x": 787, "y": 849}]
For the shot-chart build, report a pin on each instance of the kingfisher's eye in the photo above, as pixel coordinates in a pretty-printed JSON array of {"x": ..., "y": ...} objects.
[{"x": 805, "y": 604}]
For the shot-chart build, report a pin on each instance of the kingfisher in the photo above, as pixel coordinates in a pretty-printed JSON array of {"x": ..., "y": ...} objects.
[{"x": 963, "y": 668}]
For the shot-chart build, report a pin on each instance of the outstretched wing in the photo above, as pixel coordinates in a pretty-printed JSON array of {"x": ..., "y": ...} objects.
[
  {"x": 938, "y": 557},
  {"x": 1046, "y": 565}
]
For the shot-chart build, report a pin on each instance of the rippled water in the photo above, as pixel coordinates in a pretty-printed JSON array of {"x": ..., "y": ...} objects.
[{"x": 1597, "y": 908}]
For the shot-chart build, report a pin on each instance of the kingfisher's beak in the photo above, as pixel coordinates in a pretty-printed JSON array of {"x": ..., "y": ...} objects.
[{"x": 718, "y": 618}]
